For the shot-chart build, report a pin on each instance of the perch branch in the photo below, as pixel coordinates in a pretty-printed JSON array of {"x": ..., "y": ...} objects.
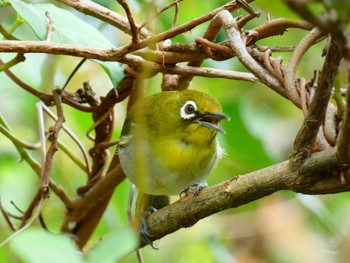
[{"x": 247, "y": 188}]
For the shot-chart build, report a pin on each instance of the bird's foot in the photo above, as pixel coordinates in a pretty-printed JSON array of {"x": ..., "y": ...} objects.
[
  {"x": 143, "y": 229},
  {"x": 195, "y": 188}
]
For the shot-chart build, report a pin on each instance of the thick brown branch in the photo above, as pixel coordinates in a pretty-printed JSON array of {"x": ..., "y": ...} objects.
[{"x": 247, "y": 188}]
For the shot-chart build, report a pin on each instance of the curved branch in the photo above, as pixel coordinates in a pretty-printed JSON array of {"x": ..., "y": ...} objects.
[{"x": 299, "y": 51}]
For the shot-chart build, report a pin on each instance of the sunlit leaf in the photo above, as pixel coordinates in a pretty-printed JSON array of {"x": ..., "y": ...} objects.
[
  {"x": 39, "y": 246},
  {"x": 67, "y": 29},
  {"x": 114, "y": 247},
  {"x": 35, "y": 20},
  {"x": 113, "y": 69}
]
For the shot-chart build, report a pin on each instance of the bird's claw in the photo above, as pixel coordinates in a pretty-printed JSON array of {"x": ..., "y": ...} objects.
[
  {"x": 196, "y": 186},
  {"x": 143, "y": 228}
]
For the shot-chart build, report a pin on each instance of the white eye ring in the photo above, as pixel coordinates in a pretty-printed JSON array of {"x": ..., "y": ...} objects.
[{"x": 188, "y": 110}]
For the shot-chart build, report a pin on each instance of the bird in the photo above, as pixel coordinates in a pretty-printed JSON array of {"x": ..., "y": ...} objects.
[
  {"x": 168, "y": 141},
  {"x": 168, "y": 146}
]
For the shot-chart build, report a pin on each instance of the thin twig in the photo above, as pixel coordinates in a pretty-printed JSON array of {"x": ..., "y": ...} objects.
[
  {"x": 176, "y": 12},
  {"x": 25, "y": 86},
  {"x": 6, "y": 34},
  {"x": 15, "y": 140},
  {"x": 38, "y": 198},
  {"x": 35, "y": 216},
  {"x": 133, "y": 27},
  {"x": 17, "y": 59},
  {"x": 72, "y": 156},
  {"x": 24, "y": 154},
  {"x": 136, "y": 61},
  {"x": 73, "y": 73},
  {"x": 168, "y": 6},
  {"x": 49, "y": 26},
  {"x": 275, "y": 48},
  {"x": 53, "y": 137},
  {"x": 7, "y": 217},
  {"x": 72, "y": 135},
  {"x": 97, "y": 123}
]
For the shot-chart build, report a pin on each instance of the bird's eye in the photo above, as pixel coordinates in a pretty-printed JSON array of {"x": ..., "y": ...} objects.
[{"x": 188, "y": 110}]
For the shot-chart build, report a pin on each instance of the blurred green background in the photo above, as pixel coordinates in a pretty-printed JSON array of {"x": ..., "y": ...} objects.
[{"x": 283, "y": 227}]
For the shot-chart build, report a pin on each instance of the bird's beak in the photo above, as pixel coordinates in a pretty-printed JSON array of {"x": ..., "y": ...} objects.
[{"x": 212, "y": 120}]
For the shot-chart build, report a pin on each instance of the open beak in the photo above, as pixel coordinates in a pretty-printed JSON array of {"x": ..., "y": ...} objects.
[{"x": 212, "y": 120}]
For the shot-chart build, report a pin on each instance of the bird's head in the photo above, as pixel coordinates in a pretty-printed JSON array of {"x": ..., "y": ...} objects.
[{"x": 191, "y": 115}]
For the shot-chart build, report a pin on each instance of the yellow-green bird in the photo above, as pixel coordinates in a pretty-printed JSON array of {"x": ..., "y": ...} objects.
[{"x": 168, "y": 141}]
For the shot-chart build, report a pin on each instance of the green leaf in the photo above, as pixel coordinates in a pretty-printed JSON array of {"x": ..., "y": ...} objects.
[
  {"x": 35, "y": 20},
  {"x": 39, "y": 246},
  {"x": 114, "y": 71},
  {"x": 67, "y": 29},
  {"x": 114, "y": 247}
]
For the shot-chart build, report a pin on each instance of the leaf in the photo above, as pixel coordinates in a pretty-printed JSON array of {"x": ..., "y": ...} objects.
[
  {"x": 114, "y": 247},
  {"x": 39, "y": 246},
  {"x": 35, "y": 20},
  {"x": 114, "y": 71},
  {"x": 67, "y": 29}
]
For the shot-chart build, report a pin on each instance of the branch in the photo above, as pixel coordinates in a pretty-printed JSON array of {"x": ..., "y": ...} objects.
[
  {"x": 308, "y": 132},
  {"x": 300, "y": 50},
  {"x": 53, "y": 136},
  {"x": 247, "y": 188},
  {"x": 244, "y": 57},
  {"x": 137, "y": 62},
  {"x": 133, "y": 27},
  {"x": 344, "y": 135},
  {"x": 104, "y": 55},
  {"x": 17, "y": 59}
]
